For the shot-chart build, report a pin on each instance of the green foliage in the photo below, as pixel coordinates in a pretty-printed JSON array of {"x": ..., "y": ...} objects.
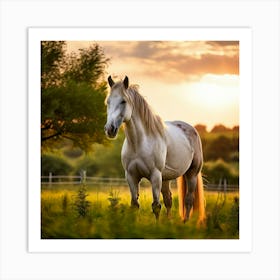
[
  {"x": 222, "y": 215},
  {"x": 114, "y": 198},
  {"x": 73, "y": 90},
  {"x": 221, "y": 153},
  {"x": 105, "y": 160},
  {"x": 81, "y": 204},
  {"x": 89, "y": 164},
  {"x": 55, "y": 165},
  {"x": 219, "y": 169},
  {"x": 220, "y": 145},
  {"x": 52, "y": 58},
  {"x": 233, "y": 218},
  {"x": 88, "y": 67},
  {"x": 76, "y": 112},
  {"x": 215, "y": 218}
]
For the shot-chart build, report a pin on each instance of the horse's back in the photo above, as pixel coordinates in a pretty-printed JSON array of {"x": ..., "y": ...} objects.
[
  {"x": 195, "y": 142},
  {"x": 190, "y": 132},
  {"x": 179, "y": 152},
  {"x": 183, "y": 149}
]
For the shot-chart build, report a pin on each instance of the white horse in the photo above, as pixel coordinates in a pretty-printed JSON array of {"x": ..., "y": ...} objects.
[{"x": 157, "y": 151}]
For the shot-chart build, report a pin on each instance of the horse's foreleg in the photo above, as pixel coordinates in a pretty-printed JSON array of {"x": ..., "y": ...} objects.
[
  {"x": 134, "y": 189},
  {"x": 189, "y": 200},
  {"x": 167, "y": 196},
  {"x": 156, "y": 181}
]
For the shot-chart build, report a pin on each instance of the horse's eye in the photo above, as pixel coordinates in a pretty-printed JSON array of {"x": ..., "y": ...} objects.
[{"x": 123, "y": 102}]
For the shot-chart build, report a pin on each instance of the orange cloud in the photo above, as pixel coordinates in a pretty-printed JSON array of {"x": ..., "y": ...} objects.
[{"x": 176, "y": 61}]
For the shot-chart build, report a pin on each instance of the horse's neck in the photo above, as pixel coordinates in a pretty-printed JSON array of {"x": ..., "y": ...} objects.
[{"x": 134, "y": 131}]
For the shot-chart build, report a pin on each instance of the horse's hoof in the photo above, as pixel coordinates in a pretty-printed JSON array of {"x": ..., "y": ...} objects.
[
  {"x": 134, "y": 206},
  {"x": 156, "y": 210}
]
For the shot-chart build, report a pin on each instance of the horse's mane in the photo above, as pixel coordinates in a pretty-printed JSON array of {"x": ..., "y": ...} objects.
[{"x": 151, "y": 121}]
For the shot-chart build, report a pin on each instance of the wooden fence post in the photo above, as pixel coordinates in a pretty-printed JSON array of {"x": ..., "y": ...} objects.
[
  {"x": 83, "y": 174},
  {"x": 220, "y": 184},
  {"x": 225, "y": 185},
  {"x": 50, "y": 178}
]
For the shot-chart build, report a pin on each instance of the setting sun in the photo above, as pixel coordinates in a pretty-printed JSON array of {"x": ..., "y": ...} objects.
[{"x": 215, "y": 91}]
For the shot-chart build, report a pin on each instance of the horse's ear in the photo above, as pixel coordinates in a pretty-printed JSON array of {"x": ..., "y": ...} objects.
[
  {"x": 110, "y": 81},
  {"x": 125, "y": 82}
]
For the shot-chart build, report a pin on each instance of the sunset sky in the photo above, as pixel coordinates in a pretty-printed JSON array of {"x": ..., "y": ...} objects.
[{"x": 193, "y": 81}]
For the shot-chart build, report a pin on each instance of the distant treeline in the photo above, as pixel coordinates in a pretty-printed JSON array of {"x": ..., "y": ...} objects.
[
  {"x": 220, "y": 143},
  {"x": 221, "y": 153},
  {"x": 219, "y": 128}
]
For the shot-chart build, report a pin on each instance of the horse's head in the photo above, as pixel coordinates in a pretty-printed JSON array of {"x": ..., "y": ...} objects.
[{"x": 119, "y": 109}]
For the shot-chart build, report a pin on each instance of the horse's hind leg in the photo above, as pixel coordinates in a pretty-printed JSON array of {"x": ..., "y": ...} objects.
[
  {"x": 167, "y": 196},
  {"x": 189, "y": 200}
]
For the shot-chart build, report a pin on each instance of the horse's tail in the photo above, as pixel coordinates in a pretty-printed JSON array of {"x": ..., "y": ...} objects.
[
  {"x": 182, "y": 189},
  {"x": 199, "y": 200}
]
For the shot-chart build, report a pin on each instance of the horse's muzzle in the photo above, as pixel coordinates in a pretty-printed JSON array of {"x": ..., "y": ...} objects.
[{"x": 111, "y": 130}]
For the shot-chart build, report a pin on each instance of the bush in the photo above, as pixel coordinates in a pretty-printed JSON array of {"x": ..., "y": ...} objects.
[
  {"x": 89, "y": 165},
  {"x": 220, "y": 145},
  {"x": 214, "y": 171},
  {"x": 55, "y": 165},
  {"x": 233, "y": 219}
]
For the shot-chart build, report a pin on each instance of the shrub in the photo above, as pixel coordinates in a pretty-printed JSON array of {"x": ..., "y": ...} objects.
[
  {"x": 214, "y": 171},
  {"x": 233, "y": 219},
  {"x": 81, "y": 204},
  {"x": 55, "y": 165},
  {"x": 89, "y": 165}
]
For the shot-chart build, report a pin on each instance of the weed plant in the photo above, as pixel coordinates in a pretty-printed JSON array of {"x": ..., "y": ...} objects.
[{"x": 81, "y": 204}]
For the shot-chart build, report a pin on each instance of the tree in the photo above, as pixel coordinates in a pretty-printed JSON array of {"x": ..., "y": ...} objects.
[
  {"x": 219, "y": 128},
  {"x": 221, "y": 147},
  {"x": 73, "y": 89},
  {"x": 201, "y": 128},
  {"x": 52, "y": 54}
]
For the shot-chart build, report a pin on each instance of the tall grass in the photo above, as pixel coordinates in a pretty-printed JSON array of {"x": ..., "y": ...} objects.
[{"x": 108, "y": 215}]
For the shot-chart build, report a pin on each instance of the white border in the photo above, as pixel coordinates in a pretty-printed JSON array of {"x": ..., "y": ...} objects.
[
  {"x": 262, "y": 16},
  {"x": 243, "y": 35}
]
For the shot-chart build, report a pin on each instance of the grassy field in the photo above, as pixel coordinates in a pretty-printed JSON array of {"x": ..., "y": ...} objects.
[{"x": 102, "y": 212}]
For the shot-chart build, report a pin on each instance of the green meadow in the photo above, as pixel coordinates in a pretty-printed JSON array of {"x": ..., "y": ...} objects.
[{"x": 79, "y": 212}]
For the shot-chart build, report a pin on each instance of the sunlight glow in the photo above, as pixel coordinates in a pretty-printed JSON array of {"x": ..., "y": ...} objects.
[{"x": 215, "y": 91}]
